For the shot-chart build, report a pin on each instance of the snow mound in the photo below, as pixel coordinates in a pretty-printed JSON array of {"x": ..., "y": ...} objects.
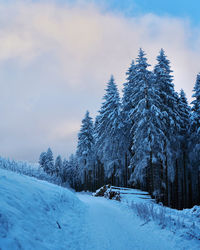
[{"x": 35, "y": 214}]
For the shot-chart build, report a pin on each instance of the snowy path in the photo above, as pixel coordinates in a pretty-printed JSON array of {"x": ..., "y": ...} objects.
[
  {"x": 110, "y": 226},
  {"x": 32, "y": 210}
]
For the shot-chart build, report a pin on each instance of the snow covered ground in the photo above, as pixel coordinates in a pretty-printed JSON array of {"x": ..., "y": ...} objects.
[
  {"x": 31, "y": 212},
  {"x": 114, "y": 226},
  {"x": 185, "y": 223}
]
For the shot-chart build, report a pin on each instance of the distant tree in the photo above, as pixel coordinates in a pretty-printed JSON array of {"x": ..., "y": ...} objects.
[
  {"x": 74, "y": 173},
  {"x": 49, "y": 164},
  {"x": 42, "y": 159},
  {"x": 58, "y": 166},
  {"x": 64, "y": 171}
]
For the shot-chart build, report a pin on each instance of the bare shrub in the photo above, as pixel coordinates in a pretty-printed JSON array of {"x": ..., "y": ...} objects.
[{"x": 158, "y": 214}]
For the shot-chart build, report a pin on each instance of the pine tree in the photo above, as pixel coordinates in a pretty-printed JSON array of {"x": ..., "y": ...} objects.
[
  {"x": 58, "y": 166},
  {"x": 184, "y": 113},
  {"x": 85, "y": 150},
  {"x": 64, "y": 171},
  {"x": 107, "y": 133},
  {"x": 74, "y": 173},
  {"x": 147, "y": 133},
  {"x": 49, "y": 164},
  {"x": 99, "y": 173},
  {"x": 42, "y": 159},
  {"x": 127, "y": 105},
  {"x": 46, "y": 161},
  {"x": 171, "y": 121},
  {"x": 195, "y": 145},
  {"x": 127, "y": 108},
  {"x": 196, "y": 105}
]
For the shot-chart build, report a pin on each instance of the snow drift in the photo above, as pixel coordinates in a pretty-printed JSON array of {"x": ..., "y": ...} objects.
[{"x": 37, "y": 215}]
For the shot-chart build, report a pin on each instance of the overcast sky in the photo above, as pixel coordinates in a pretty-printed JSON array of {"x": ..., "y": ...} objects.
[{"x": 57, "y": 56}]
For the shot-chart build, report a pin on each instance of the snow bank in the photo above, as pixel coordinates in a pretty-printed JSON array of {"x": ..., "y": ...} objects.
[
  {"x": 29, "y": 169},
  {"x": 35, "y": 214},
  {"x": 184, "y": 223}
]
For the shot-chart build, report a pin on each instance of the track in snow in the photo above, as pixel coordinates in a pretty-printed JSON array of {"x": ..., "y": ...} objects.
[
  {"x": 111, "y": 226},
  {"x": 35, "y": 214}
]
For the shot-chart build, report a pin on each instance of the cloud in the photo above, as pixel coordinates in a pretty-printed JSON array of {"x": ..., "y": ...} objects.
[{"x": 55, "y": 60}]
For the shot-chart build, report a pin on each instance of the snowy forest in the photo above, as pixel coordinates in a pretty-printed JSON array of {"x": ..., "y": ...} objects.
[{"x": 148, "y": 139}]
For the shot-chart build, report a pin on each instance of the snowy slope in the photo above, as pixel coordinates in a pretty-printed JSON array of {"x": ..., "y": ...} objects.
[
  {"x": 114, "y": 226},
  {"x": 185, "y": 223},
  {"x": 30, "y": 210}
]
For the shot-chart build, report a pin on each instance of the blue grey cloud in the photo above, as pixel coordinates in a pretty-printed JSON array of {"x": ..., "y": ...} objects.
[{"x": 56, "y": 59}]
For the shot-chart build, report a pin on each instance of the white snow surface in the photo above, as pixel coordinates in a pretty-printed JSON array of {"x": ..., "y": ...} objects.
[{"x": 30, "y": 211}]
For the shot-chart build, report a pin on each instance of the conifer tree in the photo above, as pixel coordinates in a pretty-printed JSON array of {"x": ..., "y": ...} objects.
[
  {"x": 85, "y": 150},
  {"x": 195, "y": 145},
  {"x": 147, "y": 133},
  {"x": 184, "y": 114},
  {"x": 74, "y": 173},
  {"x": 127, "y": 107},
  {"x": 42, "y": 159},
  {"x": 64, "y": 172},
  {"x": 170, "y": 119},
  {"x": 49, "y": 164},
  {"x": 58, "y": 166},
  {"x": 99, "y": 173},
  {"x": 107, "y": 133}
]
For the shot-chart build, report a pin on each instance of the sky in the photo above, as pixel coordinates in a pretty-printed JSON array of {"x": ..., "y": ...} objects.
[{"x": 57, "y": 56}]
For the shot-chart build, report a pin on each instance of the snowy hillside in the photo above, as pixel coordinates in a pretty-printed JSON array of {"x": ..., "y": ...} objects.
[
  {"x": 35, "y": 214},
  {"x": 31, "y": 212}
]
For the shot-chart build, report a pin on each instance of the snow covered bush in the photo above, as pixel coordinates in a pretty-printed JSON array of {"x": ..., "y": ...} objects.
[
  {"x": 170, "y": 218},
  {"x": 148, "y": 212},
  {"x": 25, "y": 168}
]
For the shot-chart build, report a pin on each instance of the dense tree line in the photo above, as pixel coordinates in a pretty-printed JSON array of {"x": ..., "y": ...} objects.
[
  {"x": 149, "y": 139},
  {"x": 29, "y": 169}
]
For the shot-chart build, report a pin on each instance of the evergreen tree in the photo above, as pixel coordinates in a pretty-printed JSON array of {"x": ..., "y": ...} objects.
[
  {"x": 98, "y": 168},
  {"x": 147, "y": 129},
  {"x": 74, "y": 173},
  {"x": 85, "y": 150},
  {"x": 195, "y": 145},
  {"x": 42, "y": 159},
  {"x": 127, "y": 108},
  {"x": 170, "y": 117},
  {"x": 107, "y": 133},
  {"x": 58, "y": 166},
  {"x": 49, "y": 164},
  {"x": 64, "y": 172},
  {"x": 182, "y": 178},
  {"x": 127, "y": 104}
]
